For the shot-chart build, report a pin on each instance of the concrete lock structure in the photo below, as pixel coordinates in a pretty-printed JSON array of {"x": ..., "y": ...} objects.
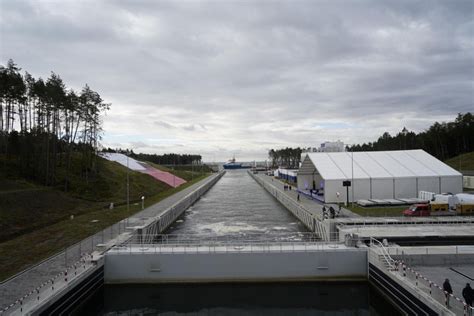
[{"x": 375, "y": 175}]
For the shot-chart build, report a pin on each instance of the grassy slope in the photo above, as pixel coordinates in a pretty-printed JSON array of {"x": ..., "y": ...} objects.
[
  {"x": 462, "y": 162},
  {"x": 26, "y": 206},
  {"x": 15, "y": 257}
]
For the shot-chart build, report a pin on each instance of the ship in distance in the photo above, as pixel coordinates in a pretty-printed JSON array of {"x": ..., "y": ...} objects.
[{"x": 232, "y": 164}]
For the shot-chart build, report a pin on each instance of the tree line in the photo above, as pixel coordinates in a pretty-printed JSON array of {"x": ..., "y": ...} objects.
[
  {"x": 286, "y": 157},
  {"x": 166, "y": 159},
  {"x": 442, "y": 140},
  {"x": 43, "y": 123}
]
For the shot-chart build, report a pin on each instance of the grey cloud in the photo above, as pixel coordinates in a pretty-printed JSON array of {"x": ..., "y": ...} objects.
[
  {"x": 164, "y": 124},
  {"x": 206, "y": 75}
]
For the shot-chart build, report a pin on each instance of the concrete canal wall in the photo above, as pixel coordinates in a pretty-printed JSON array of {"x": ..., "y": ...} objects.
[
  {"x": 311, "y": 221},
  {"x": 159, "y": 224},
  {"x": 147, "y": 266}
]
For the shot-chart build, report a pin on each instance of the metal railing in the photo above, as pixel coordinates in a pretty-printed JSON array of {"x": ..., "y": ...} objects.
[
  {"x": 434, "y": 290},
  {"x": 189, "y": 243},
  {"x": 379, "y": 252},
  {"x": 388, "y": 260},
  {"x": 49, "y": 287},
  {"x": 312, "y": 220}
]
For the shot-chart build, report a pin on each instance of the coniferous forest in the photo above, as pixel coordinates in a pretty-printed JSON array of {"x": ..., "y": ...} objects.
[
  {"x": 44, "y": 125},
  {"x": 442, "y": 140}
]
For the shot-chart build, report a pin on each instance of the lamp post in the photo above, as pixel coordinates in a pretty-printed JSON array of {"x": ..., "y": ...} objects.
[
  {"x": 352, "y": 182},
  {"x": 128, "y": 185},
  {"x": 143, "y": 202}
]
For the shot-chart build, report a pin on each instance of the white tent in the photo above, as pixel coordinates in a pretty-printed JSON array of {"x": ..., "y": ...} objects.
[{"x": 376, "y": 174}]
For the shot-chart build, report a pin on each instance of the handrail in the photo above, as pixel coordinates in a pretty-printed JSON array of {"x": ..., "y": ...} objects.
[
  {"x": 388, "y": 259},
  {"x": 282, "y": 237}
]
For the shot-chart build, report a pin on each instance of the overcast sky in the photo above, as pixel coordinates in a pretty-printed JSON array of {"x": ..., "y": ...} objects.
[{"x": 240, "y": 77}]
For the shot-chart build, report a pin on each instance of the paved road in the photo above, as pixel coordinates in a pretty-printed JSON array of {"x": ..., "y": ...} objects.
[
  {"x": 15, "y": 288},
  {"x": 311, "y": 205}
]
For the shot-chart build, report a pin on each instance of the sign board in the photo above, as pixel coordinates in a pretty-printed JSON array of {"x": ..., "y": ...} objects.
[{"x": 346, "y": 183}]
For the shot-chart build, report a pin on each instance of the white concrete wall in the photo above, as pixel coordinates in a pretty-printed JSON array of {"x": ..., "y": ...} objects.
[{"x": 349, "y": 263}]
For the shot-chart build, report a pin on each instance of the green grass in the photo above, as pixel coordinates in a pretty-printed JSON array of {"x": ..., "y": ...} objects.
[
  {"x": 19, "y": 253},
  {"x": 26, "y": 206},
  {"x": 378, "y": 211},
  {"x": 462, "y": 162}
]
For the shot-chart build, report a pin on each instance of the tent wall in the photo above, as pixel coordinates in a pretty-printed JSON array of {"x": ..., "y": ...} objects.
[
  {"x": 361, "y": 190},
  {"x": 378, "y": 175},
  {"x": 405, "y": 188},
  {"x": 331, "y": 187},
  {"x": 304, "y": 181},
  {"x": 430, "y": 184},
  {"x": 451, "y": 184},
  {"x": 382, "y": 189}
]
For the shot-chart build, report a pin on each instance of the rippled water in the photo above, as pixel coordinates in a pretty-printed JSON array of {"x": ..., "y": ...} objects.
[{"x": 237, "y": 205}]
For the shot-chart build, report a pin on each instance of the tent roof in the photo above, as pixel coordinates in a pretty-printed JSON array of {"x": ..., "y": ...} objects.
[{"x": 379, "y": 164}]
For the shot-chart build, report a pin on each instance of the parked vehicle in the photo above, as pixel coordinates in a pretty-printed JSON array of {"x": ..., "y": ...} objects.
[{"x": 460, "y": 207}]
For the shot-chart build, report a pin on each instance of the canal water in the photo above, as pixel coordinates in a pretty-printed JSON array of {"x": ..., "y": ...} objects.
[{"x": 237, "y": 207}]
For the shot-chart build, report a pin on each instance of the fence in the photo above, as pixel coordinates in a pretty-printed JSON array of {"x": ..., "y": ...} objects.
[
  {"x": 312, "y": 221},
  {"x": 49, "y": 287},
  {"x": 189, "y": 243},
  {"x": 378, "y": 252},
  {"x": 158, "y": 224},
  {"x": 435, "y": 291}
]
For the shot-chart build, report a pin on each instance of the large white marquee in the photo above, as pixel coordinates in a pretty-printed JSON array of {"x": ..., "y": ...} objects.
[{"x": 376, "y": 175}]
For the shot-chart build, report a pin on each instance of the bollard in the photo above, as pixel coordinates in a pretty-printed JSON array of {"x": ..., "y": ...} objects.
[
  {"x": 65, "y": 276},
  {"x": 416, "y": 279},
  {"x": 404, "y": 270},
  {"x": 430, "y": 289}
]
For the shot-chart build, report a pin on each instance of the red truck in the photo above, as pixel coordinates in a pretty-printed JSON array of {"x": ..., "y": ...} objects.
[
  {"x": 429, "y": 209},
  {"x": 418, "y": 210}
]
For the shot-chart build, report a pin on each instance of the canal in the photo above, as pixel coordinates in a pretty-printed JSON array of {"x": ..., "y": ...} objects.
[{"x": 237, "y": 207}]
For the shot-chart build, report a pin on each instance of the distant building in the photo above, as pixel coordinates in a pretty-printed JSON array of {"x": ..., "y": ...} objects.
[{"x": 326, "y": 147}]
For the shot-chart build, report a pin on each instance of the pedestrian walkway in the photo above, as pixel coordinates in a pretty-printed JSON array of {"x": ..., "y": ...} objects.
[
  {"x": 24, "y": 282},
  {"x": 314, "y": 206}
]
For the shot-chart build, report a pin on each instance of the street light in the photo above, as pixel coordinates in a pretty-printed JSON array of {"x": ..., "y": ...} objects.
[
  {"x": 128, "y": 185},
  {"x": 352, "y": 171},
  {"x": 143, "y": 202},
  {"x": 352, "y": 183}
]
